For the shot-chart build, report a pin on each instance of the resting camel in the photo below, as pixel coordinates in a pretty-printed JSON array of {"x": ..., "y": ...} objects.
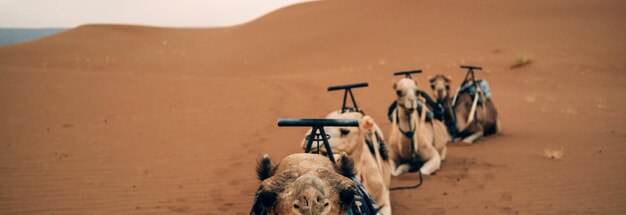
[
  {"x": 306, "y": 184},
  {"x": 457, "y": 114},
  {"x": 409, "y": 126},
  {"x": 364, "y": 145}
]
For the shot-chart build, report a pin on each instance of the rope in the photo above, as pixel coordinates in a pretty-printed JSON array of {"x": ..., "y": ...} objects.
[
  {"x": 411, "y": 135},
  {"x": 472, "y": 112},
  {"x": 410, "y": 186}
]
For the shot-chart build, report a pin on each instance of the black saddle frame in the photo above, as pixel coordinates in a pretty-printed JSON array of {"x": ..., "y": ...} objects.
[{"x": 348, "y": 91}]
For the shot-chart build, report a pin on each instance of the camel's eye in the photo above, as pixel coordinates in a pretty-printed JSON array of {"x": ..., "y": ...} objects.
[
  {"x": 344, "y": 131},
  {"x": 399, "y": 92},
  {"x": 296, "y": 206},
  {"x": 432, "y": 87},
  {"x": 447, "y": 87},
  {"x": 326, "y": 204}
]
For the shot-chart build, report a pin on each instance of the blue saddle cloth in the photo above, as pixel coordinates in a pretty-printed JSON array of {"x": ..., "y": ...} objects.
[{"x": 482, "y": 83}]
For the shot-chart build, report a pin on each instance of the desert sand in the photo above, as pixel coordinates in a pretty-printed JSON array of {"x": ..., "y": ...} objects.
[{"x": 112, "y": 119}]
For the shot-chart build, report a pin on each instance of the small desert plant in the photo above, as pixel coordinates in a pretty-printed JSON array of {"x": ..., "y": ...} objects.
[
  {"x": 522, "y": 60},
  {"x": 554, "y": 154}
]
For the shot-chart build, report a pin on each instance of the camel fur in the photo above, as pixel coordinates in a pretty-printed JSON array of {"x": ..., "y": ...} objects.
[
  {"x": 457, "y": 114},
  {"x": 306, "y": 184},
  {"x": 430, "y": 137}
]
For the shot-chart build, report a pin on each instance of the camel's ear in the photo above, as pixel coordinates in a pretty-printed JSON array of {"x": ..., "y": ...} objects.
[
  {"x": 395, "y": 85},
  {"x": 431, "y": 78},
  {"x": 267, "y": 198},
  {"x": 448, "y": 78},
  {"x": 367, "y": 122},
  {"x": 345, "y": 165},
  {"x": 264, "y": 168},
  {"x": 415, "y": 82},
  {"x": 346, "y": 196}
]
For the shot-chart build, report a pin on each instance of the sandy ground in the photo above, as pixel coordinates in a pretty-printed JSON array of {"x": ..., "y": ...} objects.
[{"x": 106, "y": 119}]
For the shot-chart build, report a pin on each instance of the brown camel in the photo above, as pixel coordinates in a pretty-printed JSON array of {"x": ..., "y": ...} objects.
[
  {"x": 306, "y": 184},
  {"x": 457, "y": 113}
]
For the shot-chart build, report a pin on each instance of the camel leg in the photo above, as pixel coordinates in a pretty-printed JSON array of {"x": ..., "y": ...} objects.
[
  {"x": 397, "y": 171},
  {"x": 432, "y": 164},
  {"x": 444, "y": 153},
  {"x": 472, "y": 138},
  {"x": 386, "y": 210},
  {"x": 385, "y": 202}
]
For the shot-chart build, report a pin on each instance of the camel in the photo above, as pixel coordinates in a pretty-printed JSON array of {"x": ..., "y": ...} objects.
[
  {"x": 409, "y": 126},
  {"x": 457, "y": 113},
  {"x": 364, "y": 145},
  {"x": 306, "y": 184}
]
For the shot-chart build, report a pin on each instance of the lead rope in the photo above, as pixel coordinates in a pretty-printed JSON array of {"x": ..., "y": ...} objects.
[
  {"x": 412, "y": 147},
  {"x": 484, "y": 98},
  {"x": 479, "y": 93}
]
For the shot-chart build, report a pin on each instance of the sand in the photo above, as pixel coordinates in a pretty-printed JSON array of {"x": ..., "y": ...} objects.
[{"x": 112, "y": 119}]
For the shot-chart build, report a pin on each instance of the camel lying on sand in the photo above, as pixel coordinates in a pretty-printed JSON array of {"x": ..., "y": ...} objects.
[
  {"x": 457, "y": 114},
  {"x": 306, "y": 184},
  {"x": 363, "y": 144},
  {"x": 410, "y": 128}
]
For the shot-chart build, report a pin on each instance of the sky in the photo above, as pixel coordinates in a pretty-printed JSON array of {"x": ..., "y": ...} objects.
[{"x": 165, "y": 13}]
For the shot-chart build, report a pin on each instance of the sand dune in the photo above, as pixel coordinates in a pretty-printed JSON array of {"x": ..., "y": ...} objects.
[{"x": 111, "y": 119}]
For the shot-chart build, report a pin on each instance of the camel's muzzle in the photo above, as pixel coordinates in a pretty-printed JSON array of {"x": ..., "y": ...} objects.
[
  {"x": 440, "y": 93},
  {"x": 412, "y": 107}
]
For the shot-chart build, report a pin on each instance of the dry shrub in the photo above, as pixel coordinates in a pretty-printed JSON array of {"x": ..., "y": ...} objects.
[
  {"x": 554, "y": 154},
  {"x": 522, "y": 60}
]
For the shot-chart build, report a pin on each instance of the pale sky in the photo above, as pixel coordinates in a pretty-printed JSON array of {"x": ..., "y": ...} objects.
[{"x": 167, "y": 13}]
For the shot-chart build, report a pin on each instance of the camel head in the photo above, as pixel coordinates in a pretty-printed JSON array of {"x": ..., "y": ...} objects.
[
  {"x": 306, "y": 184},
  {"x": 440, "y": 85},
  {"x": 406, "y": 91},
  {"x": 345, "y": 139}
]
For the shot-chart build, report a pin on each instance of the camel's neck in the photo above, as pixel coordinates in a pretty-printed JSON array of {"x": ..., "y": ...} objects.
[
  {"x": 405, "y": 124},
  {"x": 403, "y": 119},
  {"x": 357, "y": 152},
  {"x": 407, "y": 132},
  {"x": 448, "y": 113}
]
